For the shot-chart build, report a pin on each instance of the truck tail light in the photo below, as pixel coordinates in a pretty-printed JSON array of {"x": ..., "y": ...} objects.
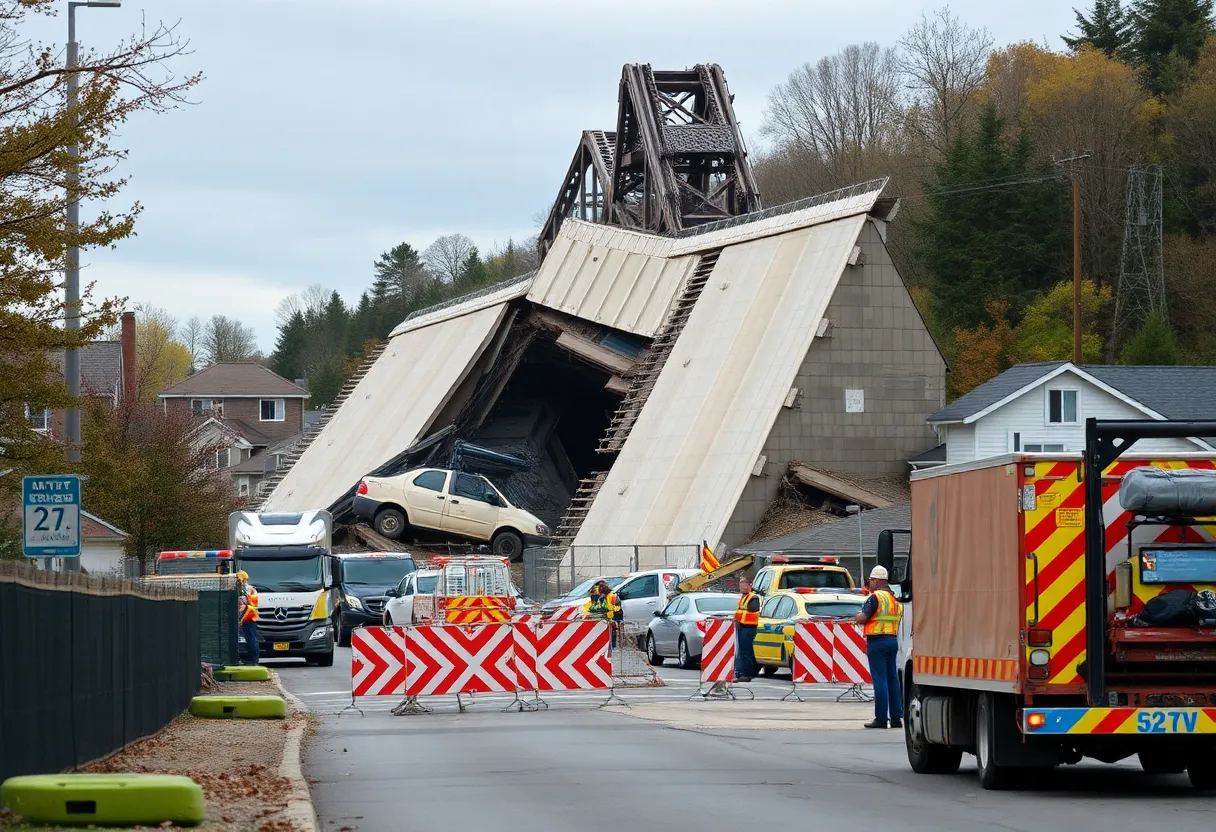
[
  {"x": 362, "y": 489},
  {"x": 1039, "y": 638},
  {"x": 1035, "y": 720}
]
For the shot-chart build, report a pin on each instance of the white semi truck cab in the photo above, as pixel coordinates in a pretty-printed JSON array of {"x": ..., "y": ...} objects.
[{"x": 289, "y": 560}]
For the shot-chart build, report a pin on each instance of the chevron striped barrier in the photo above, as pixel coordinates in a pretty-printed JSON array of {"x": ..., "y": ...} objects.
[
  {"x": 377, "y": 663},
  {"x": 451, "y": 659},
  {"x": 849, "y": 661}
]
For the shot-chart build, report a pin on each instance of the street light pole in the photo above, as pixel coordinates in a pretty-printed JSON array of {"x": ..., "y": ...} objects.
[
  {"x": 861, "y": 551},
  {"x": 71, "y": 283}
]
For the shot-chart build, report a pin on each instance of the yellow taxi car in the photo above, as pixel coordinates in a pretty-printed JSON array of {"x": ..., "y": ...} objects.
[{"x": 782, "y": 609}]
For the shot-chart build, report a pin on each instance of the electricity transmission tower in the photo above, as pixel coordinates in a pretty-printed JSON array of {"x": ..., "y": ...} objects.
[{"x": 1141, "y": 289}]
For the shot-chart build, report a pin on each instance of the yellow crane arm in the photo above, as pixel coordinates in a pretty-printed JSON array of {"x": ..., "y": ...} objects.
[{"x": 704, "y": 579}]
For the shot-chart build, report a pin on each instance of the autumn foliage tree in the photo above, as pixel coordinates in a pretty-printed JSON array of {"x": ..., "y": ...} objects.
[
  {"x": 147, "y": 473},
  {"x": 36, "y": 131}
]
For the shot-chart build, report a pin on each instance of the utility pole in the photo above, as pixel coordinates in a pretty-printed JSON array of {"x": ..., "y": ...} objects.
[
  {"x": 71, "y": 282},
  {"x": 1074, "y": 162}
]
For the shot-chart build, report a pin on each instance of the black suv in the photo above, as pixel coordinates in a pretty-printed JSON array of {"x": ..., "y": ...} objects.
[{"x": 363, "y": 578}]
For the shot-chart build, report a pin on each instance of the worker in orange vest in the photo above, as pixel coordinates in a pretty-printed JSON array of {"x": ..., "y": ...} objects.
[
  {"x": 247, "y": 604},
  {"x": 880, "y": 616},
  {"x": 747, "y": 619}
]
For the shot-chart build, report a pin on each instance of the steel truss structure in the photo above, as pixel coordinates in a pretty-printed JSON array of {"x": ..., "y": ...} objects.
[{"x": 677, "y": 159}]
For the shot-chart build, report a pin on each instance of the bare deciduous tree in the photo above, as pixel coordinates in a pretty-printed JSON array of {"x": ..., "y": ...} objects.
[
  {"x": 943, "y": 61},
  {"x": 310, "y": 302},
  {"x": 192, "y": 338},
  {"x": 227, "y": 339},
  {"x": 447, "y": 255},
  {"x": 841, "y": 111}
]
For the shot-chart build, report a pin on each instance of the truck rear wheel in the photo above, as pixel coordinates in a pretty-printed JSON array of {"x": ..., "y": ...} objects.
[
  {"x": 924, "y": 756},
  {"x": 1161, "y": 762},
  {"x": 1203, "y": 775},
  {"x": 992, "y": 776}
]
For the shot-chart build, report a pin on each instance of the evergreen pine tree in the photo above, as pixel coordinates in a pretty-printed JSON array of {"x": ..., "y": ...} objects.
[
  {"x": 995, "y": 228},
  {"x": 289, "y": 348},
  {"x": 1105, "y": 28},
  {"x": 1154, "y": 345},
  {"x": 1166, "y": 38},
  {"x": 473, "y": 274}
]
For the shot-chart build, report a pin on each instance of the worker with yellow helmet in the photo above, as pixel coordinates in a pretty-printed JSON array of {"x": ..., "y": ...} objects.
[{"x": 247, "y": 605}]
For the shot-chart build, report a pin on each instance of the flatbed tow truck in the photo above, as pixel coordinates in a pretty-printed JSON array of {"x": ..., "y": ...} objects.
[{"x": 1036, "y": 590}]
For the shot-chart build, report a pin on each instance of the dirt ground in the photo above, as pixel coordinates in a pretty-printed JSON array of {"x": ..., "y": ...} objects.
[{"x": 235, "y": 761}]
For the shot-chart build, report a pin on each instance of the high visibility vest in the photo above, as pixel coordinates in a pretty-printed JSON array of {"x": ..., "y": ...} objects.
[
  {"x": 599, "y": 606},
  {"x": 251, "y": 605},
  {"x": 745, "y": 617},
  {"x": 614, "y": 607},
  {"x": 885, "y": 620}
]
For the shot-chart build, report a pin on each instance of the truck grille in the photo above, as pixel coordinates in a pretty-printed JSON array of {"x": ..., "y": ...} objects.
[{"x": 276, "y": 620}]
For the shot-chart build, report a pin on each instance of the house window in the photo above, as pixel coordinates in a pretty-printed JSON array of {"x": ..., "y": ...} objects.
[
  {"x": 1043, "y": 448},
  {"x": 200, "y": 406},
  {"x": 272, "y": 410},
  {"x": 242, "y": 487},
  {"x": 223, "y": 458},
  {"x": 1062, "y": 407},
  {"x": 39, "y": 418}
]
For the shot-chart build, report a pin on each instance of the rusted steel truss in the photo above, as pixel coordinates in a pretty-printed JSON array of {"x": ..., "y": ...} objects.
[{"x": 676, "y": 160}]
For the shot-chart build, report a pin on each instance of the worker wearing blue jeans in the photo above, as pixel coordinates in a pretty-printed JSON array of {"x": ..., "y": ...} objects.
[
  {"x": 880, "y": 616},
  {"x": 747, "y": 619}
]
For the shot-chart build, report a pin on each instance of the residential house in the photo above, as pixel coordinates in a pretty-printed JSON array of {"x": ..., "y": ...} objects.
[
  {"x": 107, "y": 372},
  {"x": 245, "y": 409},
  {"x": 101, "y": 548},
  {"x": 1042, "y": 407}
]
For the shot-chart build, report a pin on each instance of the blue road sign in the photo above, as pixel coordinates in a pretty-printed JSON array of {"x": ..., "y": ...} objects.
[{"x": 50, "y": 519}]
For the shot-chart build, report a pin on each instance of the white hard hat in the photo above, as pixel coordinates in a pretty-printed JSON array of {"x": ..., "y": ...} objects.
[{"x": 879, "y": 572}]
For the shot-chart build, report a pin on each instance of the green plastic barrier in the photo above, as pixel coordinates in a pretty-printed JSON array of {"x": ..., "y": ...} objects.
[
  {"x": 241, "y": 674},
  {"x": 104, "y": 799},
  {"x": 238, "y": 707}
]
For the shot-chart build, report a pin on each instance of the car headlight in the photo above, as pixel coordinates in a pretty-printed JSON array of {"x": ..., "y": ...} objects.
[
  {"x": 542, "y": 530},
  {"x": 320, "y": 632},
  {"x": 353, "y": 602}
]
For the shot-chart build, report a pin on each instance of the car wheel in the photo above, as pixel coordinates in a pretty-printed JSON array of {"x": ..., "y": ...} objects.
[
  {"x": 343, "y": 635},
  {"x": 768, "y": 669},
  {"x": 652, "y": 655},
  {"x": 687, "y": 662},
  {"x": 390, "y": 522},
  {"x": 326, "y": 660},
  {"x": 507, "y": 544}
]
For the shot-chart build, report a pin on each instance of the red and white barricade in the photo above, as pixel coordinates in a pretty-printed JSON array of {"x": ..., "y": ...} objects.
[
  {"x": 378, "y": 664},
  {"x": 852, "y": 666},
  {"x": 717, "y": 658},
  {"x": 451, "y": 659},
  {"x": 827, "y": 652}
]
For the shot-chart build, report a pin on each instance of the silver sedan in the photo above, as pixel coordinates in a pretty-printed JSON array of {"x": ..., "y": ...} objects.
[{"x": 675, "y": 631}]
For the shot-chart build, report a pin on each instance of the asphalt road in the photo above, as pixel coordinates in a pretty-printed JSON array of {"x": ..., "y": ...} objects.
[{"x": 574, "y": 767}]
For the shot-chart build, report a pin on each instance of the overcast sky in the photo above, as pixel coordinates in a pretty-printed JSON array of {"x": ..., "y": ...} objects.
[{"x": 327, "y": 131}]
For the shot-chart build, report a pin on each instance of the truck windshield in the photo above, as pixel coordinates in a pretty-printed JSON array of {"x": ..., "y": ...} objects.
[
  {"x": 284, "y": 574},
  {"x": 382, "y": 571}
]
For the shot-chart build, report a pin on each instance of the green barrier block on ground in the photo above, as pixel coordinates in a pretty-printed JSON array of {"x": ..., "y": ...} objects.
[
  {"x": 238, "y": 707},
  {"x": 241, "y": 674},
  {"x": 104, "y": 799}
]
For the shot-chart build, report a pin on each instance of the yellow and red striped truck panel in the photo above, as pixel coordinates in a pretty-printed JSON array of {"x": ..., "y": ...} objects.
[{"x": 1055, "y": 535}]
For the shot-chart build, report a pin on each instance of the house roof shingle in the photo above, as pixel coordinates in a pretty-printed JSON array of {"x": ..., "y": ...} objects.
[
  {"x": 237, "y": 378},
  {"x": 839, "y": 537},
  {"x": 1174, "y": 392},
  {"x": 100, "y": 367}
]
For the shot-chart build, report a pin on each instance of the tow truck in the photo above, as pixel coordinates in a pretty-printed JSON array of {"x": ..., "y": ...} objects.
[{"x": 1036, "y": 584}]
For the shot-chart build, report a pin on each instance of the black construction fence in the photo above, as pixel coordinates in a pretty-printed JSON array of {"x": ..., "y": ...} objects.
[
  {"x": 88, "y": 665},
  {"x": 218, "y": 613}
]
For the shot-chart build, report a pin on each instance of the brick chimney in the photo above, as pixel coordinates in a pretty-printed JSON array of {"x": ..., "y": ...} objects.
[{"x": 130, "y": 375}]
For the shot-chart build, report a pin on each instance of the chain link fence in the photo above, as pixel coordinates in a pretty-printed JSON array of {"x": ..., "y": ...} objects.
[
  {"x": 552, "y": 571},
  {"x": 630, "y": 668}
]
